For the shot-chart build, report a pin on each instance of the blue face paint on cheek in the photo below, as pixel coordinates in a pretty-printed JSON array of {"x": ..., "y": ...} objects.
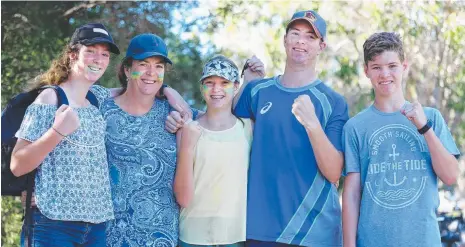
[
  {"x": 229, "y": 88},
  {"x": 205, "y": 90},
  {"x": 161, "y": 76},
  {"x": 136, "y": 74}
]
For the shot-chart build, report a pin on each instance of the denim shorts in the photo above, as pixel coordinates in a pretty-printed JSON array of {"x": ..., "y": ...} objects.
[
  {"x": 239, "y": 244},
  {"x": 58, "y": 233}
]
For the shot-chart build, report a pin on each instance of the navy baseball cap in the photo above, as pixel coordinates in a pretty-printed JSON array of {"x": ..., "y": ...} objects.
[
  {"x": 147, "y": 45},
  {"x": 313, "y": 18},
  {"x": 91, "y": 34}
]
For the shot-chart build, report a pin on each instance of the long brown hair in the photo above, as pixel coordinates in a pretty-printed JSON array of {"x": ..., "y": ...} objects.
[{"x": 59, "y": 70}]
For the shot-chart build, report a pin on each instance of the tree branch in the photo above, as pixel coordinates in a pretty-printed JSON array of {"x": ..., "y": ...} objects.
[{"x": 76, "y": 8}]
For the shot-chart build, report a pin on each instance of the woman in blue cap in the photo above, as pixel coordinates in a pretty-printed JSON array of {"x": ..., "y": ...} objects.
[
  {"x": 141, "y": 154},
  {"x": 67, "y": 146}
]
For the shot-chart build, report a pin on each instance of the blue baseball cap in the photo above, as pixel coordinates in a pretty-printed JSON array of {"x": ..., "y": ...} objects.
[
  {"x": 147, "y": 45},
  {"x": 91, "y": 34},
  {"x": 313, "y": 18}
]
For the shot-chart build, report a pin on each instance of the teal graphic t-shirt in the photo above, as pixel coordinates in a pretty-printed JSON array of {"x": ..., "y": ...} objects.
[{"x": 399, "y": 188}]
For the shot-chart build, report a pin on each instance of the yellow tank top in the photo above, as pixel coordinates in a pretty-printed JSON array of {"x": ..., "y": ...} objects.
[{"x": 217, "y": 212}]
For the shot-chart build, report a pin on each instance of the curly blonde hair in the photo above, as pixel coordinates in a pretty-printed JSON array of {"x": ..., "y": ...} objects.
[{"x": 59, "y": 70}]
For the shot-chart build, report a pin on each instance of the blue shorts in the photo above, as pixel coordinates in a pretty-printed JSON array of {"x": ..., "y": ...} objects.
[
  {"x": 58, "y": 233},
  {"x": 239, "y": 244}
]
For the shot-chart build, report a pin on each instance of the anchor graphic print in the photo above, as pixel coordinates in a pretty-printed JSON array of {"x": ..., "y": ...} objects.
[{"x": 398, "y": 171}]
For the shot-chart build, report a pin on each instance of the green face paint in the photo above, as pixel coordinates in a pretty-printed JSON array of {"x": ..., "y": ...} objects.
[
  {"x": 161, "y": 76},
  {"x": 136, "y": 74},
  {"x": 229, "y": 88},
  {"x": 205, "y": 89},
  {"x": 91, "y": 71}
]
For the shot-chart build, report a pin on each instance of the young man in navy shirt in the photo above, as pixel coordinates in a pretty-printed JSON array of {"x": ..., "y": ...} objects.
[{"x": 296, "y": 153}]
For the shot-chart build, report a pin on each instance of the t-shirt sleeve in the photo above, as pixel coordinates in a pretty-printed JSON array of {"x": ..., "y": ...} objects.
[
  {"x": 37, "y": 120},
  {"x": 351, "y": 150},
  {"x": 243, "y": 107},
  {"x": 336, "y": 122},
  {"x": 195, "y": 113},
  {"x": 443, "y": 133},
  {"x": 100, "y": 92}
]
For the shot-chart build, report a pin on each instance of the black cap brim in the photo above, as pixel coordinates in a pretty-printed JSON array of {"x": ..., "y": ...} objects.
[
  {"x": 98, "y": 40},
  {"x": 145, "y": 55}
]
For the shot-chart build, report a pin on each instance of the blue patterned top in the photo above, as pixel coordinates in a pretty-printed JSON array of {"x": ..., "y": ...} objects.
[
  {"x": 142, "y": 160},
  {"x": 72, "y": 183}
]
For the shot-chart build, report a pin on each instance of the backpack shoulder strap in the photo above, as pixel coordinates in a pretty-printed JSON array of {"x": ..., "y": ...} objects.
[
  {"x": 61, "y": 95},
  {"x": 63, "y": 100},
  {"x": 92, "y": 99}
]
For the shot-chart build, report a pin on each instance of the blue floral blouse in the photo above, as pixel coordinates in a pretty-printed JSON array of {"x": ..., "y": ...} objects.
[
  {"x": 72, "y": 183},
  {"x": 142, "y": 161}
]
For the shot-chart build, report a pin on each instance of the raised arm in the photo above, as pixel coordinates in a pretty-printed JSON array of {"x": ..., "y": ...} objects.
[
  {"x": 29, "y": 154},
  {"x": 254, "y": 69},
  {"x": 326, "y": 144},
  {"x": 444, "y": 163},
  {"x": 187, "y": 139}
]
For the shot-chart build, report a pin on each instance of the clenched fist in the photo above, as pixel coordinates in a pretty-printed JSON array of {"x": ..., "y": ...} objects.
[
  {"x": 66, "y": 120},
  {"x": 304, "y": 111},
  {"x": 415, "y": 113},
  {"x": 191, "y": 133}
]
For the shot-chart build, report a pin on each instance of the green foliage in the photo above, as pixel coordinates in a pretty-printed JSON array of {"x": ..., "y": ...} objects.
[
  {"x": 11, "y": 221},
  {"x": 28, "y": 42},
  {"x": 348, "y": 69}
]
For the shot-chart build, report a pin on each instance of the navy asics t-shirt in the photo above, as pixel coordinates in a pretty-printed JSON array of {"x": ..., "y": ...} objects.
[{"x": 289, "y": 200}]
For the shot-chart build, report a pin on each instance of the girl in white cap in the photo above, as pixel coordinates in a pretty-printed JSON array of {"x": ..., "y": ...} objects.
[{"x": 213, "y": 158}]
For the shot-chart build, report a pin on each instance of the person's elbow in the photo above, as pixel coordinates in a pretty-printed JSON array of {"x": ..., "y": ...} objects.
[
  {"x": 450, "y": 179},
  {"x": 335, "y": 174},
  {"x": 183, "y": 199},
  {"x": 334, "y": 178},
  {"x": 15, "y": 167},
  {"x": 332, "y": 174},
  {"x": 183, "y": 194}
]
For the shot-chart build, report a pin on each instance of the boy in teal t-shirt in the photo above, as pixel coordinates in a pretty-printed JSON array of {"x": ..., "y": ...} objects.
[{"x": 394, "y": 152}]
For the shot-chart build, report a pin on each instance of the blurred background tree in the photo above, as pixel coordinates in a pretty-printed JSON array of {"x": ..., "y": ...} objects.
[{"x": 34, "y": 33}]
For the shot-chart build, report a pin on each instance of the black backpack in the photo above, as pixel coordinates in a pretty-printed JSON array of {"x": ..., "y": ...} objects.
[{"x": 12, "y": 117}]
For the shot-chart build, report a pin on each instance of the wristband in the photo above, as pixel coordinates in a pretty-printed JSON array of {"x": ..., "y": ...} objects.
[
  {"x": 425, "y": 128},
  {"x": 58, "y": 132}
]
